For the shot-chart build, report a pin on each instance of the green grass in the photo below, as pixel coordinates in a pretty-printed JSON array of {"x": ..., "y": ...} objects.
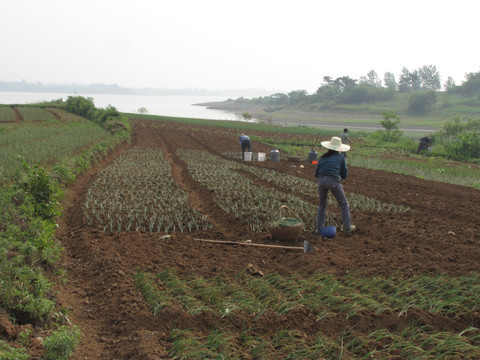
[{"x": 29, "y": 252}]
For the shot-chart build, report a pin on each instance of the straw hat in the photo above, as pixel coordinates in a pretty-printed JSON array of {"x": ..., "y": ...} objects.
[{"x": 335, "y": 144}]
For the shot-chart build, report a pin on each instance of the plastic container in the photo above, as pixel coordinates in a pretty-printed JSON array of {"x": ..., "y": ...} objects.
[
  {"x": 312, "y": 155},
  {"x": 274, "y": 155},
  {"x": 261, "y": 156},
  {"x": 248, "y": 156},
  {"x": 328, "y": 232}
]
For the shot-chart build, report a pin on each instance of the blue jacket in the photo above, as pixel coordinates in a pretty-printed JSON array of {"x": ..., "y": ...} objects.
[
  {"x": 335, "y": 166},
  {"x": 243, "y": 138}
]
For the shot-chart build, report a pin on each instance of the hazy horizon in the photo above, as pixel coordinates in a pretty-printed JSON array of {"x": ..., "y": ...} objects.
[{"x": 216, "y": 45}]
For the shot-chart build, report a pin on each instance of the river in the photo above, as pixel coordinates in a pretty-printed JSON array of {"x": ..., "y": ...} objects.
[{"x": 167, "y": 105}]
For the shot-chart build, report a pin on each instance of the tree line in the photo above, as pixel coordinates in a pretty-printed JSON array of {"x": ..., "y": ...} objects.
[{"x": 423, "y": 84}]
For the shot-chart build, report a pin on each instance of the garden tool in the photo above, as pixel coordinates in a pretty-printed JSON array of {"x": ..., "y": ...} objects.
[{"x": 307, "y": 247}]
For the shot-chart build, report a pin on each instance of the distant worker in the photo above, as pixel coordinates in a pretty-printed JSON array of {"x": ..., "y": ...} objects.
[
  {"x": 245, "y": 143},
  {"x": 345, "y": 140},
  {"x": 331, "y": 169},
  {"x": 423, "y": 144}
]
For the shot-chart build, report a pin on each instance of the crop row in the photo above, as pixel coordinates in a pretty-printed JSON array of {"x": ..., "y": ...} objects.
[
  {"x": 137, "y": 192},
  {"x": 35, "y": 114},
  {"x": 37, "y": 143},
  {"x": 324, "y": 298},
  {"x": 6, "y": 114},
  {"x": 255, "y": 205},
  {"x": 309, "y": 188}
]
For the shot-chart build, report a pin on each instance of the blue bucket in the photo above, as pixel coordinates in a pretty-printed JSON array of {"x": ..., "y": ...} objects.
[{"x": 329, "y": 232}]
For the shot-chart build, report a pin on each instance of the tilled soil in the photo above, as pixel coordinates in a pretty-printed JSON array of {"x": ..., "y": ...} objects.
[{"x": 439, "y": 235}]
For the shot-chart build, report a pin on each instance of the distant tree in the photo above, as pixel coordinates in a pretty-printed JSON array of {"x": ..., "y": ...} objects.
[
  {"x": 416, "y": 80},
  {"x": 371, "y": 79},
  {"x": 142, "y": 110},
  {"x": 247, "y": 116},
  {"x": 389, "y": 80},
  {"x": 429, "y": 77},
  {"x": 344, "y": 82},
  {"x": 279, "y": 98},
  {"x": 471, "y": 86},
  {"x": 390, "y": 124},
  {"x": 327, "y": 80},
  {"x": 449, "y": 84},
  {"x": 297, "y": 96},
  {"x": 405, "y": 81}
]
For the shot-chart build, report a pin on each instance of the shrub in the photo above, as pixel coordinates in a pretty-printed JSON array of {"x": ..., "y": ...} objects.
[
  {"x": 81, "y": 106},
  {"x": 466, "y": 146},
  {"x": 38, "y": 186},
  {"x": 390, "y": 124},
  {"x": 61, "y": 343},
  {"x": 104, "y": 115},
  {"x": 421, "y": 102}
]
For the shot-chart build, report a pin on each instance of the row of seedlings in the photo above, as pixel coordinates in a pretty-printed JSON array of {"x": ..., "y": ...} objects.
[{"x": 137, "y": 192}]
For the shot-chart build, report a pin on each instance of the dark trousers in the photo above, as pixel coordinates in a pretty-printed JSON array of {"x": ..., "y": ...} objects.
[
  {"x": 422, "y": 146},
  {"x": 246, "y": 145}
]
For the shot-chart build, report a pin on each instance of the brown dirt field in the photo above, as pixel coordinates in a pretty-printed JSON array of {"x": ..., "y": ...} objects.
[{"x": 442, "y": 236}]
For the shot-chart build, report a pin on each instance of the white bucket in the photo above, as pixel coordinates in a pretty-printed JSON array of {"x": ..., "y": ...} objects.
[
  {"x": 261, "y": 156},
  {"x": 248, "y": 156}
]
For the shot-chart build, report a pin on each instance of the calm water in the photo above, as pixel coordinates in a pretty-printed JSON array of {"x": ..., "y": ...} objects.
[{"x": 168, "y": 105}]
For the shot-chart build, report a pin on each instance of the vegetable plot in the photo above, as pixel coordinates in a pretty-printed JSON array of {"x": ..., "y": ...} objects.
[
  {"x": 35, "y": 114},
  {"x": 250, "y": 203},
  {"x": 127, "y": 196},
  {"x": 6, "y": 114}
]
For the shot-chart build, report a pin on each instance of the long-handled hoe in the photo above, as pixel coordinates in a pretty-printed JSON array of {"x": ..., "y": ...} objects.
[{"x": 307, "y": 247}]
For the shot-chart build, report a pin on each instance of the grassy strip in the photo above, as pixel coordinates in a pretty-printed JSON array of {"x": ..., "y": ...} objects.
[
  {"x": 29, "y": 251},
  {"x": 236, "y": 125},
  {"x": 459, "y": 174}
]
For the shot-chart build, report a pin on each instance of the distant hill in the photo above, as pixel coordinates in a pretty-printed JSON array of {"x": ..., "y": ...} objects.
[{"x": 23, "y": 86}]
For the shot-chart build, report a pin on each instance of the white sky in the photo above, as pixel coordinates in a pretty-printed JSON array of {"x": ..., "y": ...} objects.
[{"x": 226, "y": 44}]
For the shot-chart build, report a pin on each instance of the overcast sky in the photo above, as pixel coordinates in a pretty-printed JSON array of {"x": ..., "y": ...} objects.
[{"x": 225, "y": 44}]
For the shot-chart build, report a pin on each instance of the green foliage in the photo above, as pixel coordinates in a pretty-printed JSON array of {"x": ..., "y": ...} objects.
[
  {"x": 81, "y": 106},
  {"x": 390, "y": 124},
  {"x": 466, "y": 145},
  {"x": 104, "y": 115},
  {"x": 471, "y": 86},
  {"x": 38, "y": 186},
  {"x": 365, "y": 94},
  {"x": 461, "y": 140},
  {"x": 8, "y": 352},
  {"x": 61, "y": 343},
  {"x": 421, "y": 102},
  {"x": 63, "y": 174},
  {"x": 246, "y": 116}
]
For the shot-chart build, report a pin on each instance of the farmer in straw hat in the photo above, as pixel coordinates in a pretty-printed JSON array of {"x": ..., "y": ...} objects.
[{"x": 331, "y": 168}]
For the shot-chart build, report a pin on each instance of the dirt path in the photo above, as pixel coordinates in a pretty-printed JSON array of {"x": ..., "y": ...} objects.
[{"x": 440, "y": 236}]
